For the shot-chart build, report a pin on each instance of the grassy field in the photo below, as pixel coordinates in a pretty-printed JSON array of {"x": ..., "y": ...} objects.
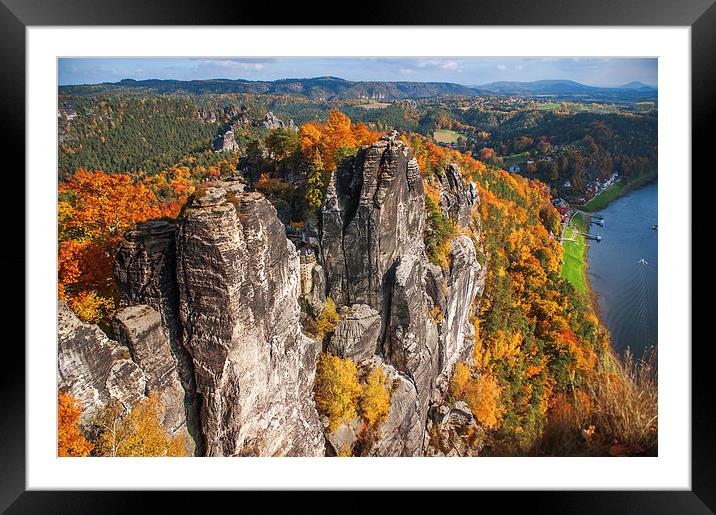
[
  {"x": 574, "y": 265},
  {"x": 548, "y": 106},
  {"x": 604, "y": 198},
  {"x": 446, "y": 136},
  {"x": 374, "y": 105},
  {"x": 515, "y": 159}
]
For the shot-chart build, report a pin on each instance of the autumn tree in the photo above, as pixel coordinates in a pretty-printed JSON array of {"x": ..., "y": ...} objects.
[
  {"x": 70, "y": 440},
  {"x": 480, "y": 392},
  {"x": 337, "y": 390},
  {"x": 94, "y": 210},
  {"x": 323, "y": 146},
  {"x": 137, "y": 432},
  {"x": 325, "y": 323},
  {"x": 100, "y": 207},
  {"x": 375, "y": 399}
]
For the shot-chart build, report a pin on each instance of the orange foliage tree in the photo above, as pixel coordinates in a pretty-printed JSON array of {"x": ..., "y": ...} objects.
[
  {"x": 70, "y": 440},
  {"x": 323, "y": 145},
  {"x": 94, "y": 210}
]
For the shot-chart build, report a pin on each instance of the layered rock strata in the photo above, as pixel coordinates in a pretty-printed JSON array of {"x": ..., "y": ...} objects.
[
  {"x": 238, "y": 280},
  {"x": 93, "y": 368},
  {"x": 139, "y": 328}
]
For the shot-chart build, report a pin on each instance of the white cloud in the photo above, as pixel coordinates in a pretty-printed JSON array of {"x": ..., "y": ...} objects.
[
  {"x": 502, "y": 67},
  {"x": 231, "y": 64},
  {"x": 439, "y": 63}
]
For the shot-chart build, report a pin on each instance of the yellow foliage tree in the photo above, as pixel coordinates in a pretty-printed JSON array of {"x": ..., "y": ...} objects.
[
  {"x": 375, "y": 400},
  {"x": 459, "y": 380},
  {"x": 337, "y": 391},
  {"x": 137, "y": 433},
  {"x": 326, "y": 321}
]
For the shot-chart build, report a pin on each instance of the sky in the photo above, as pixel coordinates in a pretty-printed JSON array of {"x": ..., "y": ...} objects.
[{"x": 461, "y": 70}]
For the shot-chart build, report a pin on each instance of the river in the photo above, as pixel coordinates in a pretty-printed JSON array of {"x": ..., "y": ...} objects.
[{"x": 627, "y": 289}]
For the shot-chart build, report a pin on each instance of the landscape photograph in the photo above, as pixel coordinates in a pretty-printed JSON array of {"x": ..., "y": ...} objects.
[{"x": 357, "y": 257}]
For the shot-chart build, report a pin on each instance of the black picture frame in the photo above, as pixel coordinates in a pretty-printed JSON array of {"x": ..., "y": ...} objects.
[{"x": 16, "y": 15}]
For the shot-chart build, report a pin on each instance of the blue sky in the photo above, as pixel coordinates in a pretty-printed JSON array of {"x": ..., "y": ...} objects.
[{"x": 461, "y": 70}]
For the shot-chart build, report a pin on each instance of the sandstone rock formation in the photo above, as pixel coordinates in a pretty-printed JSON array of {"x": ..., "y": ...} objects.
[
  {"x": 453, "y": 431},
  {"x": 373, "y": 214},
  {"x": 145, "y": 274},
  {"x": 401, "y": 434},
  {"x": 238, "y": 280},
  {"x": 456, "y": 198},
  {"x": 226, "y": 142},
  {"x": 94, "y": 368},
  {"x": 357, "y": 333},
  {"x": 210, "y": 310},
  {"x": 140, "y": 329},
  {"x": 271, "y": 121},
  {"x": 373, "y": 254}
]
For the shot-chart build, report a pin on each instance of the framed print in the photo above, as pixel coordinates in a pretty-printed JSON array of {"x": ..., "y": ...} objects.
[{"x": 384, "y": 256}]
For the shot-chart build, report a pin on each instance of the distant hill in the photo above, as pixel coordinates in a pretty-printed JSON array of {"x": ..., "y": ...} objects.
[
  {"x": 635, "y": 84},
  {"x": 568, "y": 88},
  {"x": 319, "y": 88}
]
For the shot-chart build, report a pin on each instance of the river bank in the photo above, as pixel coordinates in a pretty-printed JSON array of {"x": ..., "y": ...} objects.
[
  {"x": 618, "y": 190},
  {"x": 574, "y": 261}
]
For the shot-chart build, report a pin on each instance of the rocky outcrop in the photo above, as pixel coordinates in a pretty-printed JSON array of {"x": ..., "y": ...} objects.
[
  {"x": 145, "y": 273},
  {"x": 457, "y": 199},
  {"x": 401, "y": 433},
  {"x": 373, "y": 214},
  {"x": 357, "y": 333},
  {"x": 239, "y": 284},
  {"x": 452, "y": 431},
  {"x": 209, "y": 315},
  {"x": 411, "y": 344},
  {"x": 139, "y": 328},
  {"x": 93, "y": 368},
  {"x": 373, "y": 254},
  {"x": 271, "y": 121},
  {"x": 465, "y": 282},
  {"x": 226, "y": 142}
]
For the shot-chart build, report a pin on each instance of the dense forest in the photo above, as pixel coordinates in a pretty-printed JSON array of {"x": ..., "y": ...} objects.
[{"x": 542, "y": 372}]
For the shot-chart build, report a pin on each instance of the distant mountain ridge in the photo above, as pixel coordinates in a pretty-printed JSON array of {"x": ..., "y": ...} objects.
[
  {"x": 319, "y": 88},
  {"x": 561, "y": 87},
  {"x": 336, "y": 88}
]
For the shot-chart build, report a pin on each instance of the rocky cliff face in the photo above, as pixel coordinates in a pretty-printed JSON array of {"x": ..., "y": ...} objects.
[
  {"x": 140, "y": 329},
  {"x": 94, "y": 368},
  {"x": 224, "y": 283},
  {"x": 238, "y": 280},
  {"x": 373, "y": 254},
  {"x": 373, "y": 214}
]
